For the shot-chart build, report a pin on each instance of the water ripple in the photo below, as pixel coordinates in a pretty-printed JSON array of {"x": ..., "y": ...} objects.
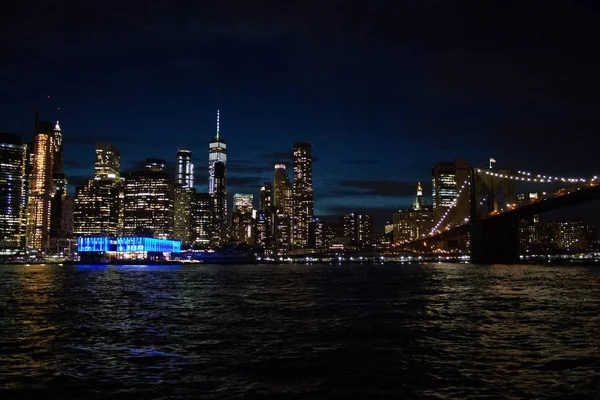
[{"x": 219, "y": 332}]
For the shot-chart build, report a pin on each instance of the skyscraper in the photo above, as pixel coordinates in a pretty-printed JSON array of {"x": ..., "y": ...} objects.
[
  {"x": 217, "y": 186},
  {"x": 357, "y": 228},
  {"x": 184, "y": 168},
  {"x": 412, "y": 223},
  {"x": 182, "y": 220},
  {"x": 266, "y": 197},
  {"x": 447, "y": 179},
  {"x": 108, "y": 161},
  {"x": 60, "y": 193},
  {"x": 303, "y": 193},
  {"x": 13, "y": 186},
  {"x": 41, "y": 188},
  {"x": 280, "y": 223},
  {"x": 148, "y": 202},
  {"x": 201, "y": 218},
  {"x": 96, "y": 209},
  {"x": 241, "y": 218}
]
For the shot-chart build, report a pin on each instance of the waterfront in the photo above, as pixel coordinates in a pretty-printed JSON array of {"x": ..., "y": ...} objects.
[{"x": 300, "y": 331}]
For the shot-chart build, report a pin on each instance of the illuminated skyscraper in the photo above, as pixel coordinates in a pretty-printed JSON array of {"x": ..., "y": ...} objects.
[
  {"x": 148, "y": 202},
  {"x": 358, "y": 228},
  {"x": 96, "y": 209},
  {"x": 281, "y": 219},
  {"x": 184, "y": 168},
  {"x": 241, "y": 218},
  {"x": 13, "y": 186},
  {"x": 303, "y": 193},
  {"x": 182, "y": 220},
  {"x": 217, "y": 186},
  {"x": 447, "y": 179},
  {"x": 41, "y": 188},
  {"x": 266, "y": 197},
  {"x": 282, "y": 182},
  {"x": 60, "y": 193},
  {"x": 413, "y": 223},
  {"x": 108, "y": 162},
  {"x": 201, "y": 211}
]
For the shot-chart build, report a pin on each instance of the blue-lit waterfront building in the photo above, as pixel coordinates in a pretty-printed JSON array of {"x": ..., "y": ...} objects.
[{"x": 104, "y": 248}]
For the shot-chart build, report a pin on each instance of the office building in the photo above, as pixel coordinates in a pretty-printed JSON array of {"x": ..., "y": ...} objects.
[
  {"x": 412, "y": 223},
  {"x": 357, "y": 229},
  {"x": 262, "y": 227},
  {"x": 60, "y": 193},
  {"x": 201, "y": 220},
  {"x": 558, "y": 237},
  {"x": 241, "y": 218},
  {"x": 184, "y": 169},
  {"x": 447, "y": 180},
  {"x": 96, "y": 208},
  {"x": 182, "y": 219},
  {"x": 316, "y": 235},
  {"x": 108, "y": 162},
  {"x": 266, "y": 197},
  {"x": 217, "y": 186},
  {"x": 13, "y": 188},
  {"x": 303, "y": 205},
  {"x": 148, "y": 202},
  {"x": 41, "y": 188}
]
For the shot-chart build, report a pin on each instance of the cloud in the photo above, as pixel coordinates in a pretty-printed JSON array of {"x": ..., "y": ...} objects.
[
  {"x": 389, "y": 188},
  {"x": 71, "y": 164},
  {"x": 245, "y": 182},
  {"x": 78, "y": 180},
  {"x": 361, "y": 161}
]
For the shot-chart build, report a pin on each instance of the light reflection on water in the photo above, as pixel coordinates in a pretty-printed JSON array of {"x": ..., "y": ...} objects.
[{"x": 438, "y": 330}]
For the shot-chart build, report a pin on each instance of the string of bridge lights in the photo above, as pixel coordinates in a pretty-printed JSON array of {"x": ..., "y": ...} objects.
[
  {"x": 525, "y": 176},
  {"x": 435, "y": 228}
]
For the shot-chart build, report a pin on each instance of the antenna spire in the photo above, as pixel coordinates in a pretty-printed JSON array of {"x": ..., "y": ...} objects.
[{"x": 217, "y": 124}]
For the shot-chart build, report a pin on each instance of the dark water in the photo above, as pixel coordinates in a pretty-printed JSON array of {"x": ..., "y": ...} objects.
[{"x": 305, "y": 331}]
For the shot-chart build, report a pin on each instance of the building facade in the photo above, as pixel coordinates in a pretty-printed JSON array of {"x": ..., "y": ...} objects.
[
  {"x": 148, "y": 203},
  {"x": 201, "y": 220},
  {"x": 303, "y": 202},
  {"x": 447, "y": 180},
  {"x": 182, "y": 214},
  {"x": 13, "y": 190},
  {"x": 358, "y": 229},
  {"x": 184, "y": 168},
  {"x": 412, "y": 223},
  {"x": 241, "y": 218},
  {"x": 96, "y": 209},
  {"x": 217, "y": 186},
  {"x": 108, "y": 161},
  {"x": 41, "y": 188}
]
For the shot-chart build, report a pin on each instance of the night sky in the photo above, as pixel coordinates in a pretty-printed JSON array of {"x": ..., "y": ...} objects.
[{"x": 383, "y": 89}]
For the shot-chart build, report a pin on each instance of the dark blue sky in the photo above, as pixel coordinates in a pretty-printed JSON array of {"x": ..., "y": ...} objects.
[{"x": 383, "y": 89}]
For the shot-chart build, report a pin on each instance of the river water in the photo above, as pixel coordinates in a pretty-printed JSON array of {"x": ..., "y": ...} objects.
[{"x": 300, "y": 331}]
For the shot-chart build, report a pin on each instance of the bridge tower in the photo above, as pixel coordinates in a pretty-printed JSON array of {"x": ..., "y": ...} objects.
[{"x": 493, "y": 241}]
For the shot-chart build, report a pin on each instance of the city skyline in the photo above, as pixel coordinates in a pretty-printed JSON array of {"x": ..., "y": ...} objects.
[{"x": 384, "y": 103}]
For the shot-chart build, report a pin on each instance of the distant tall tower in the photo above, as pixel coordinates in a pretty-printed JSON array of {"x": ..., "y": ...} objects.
[
  {"x": 265, "y": 197},
  {"x": 41, "y": 187},
  {"x": 184, "y": 173},
  {"x": 303, "y": 193},
  {"x": 217, "y": 185},
  {"x": 418, "y": 204},
  {"x": 13, "y": 186},
  {"x": 60, "y": 192},
  {"x": 281, "y": 184},
  {"x": 447, "y": 179},
  {"x": 58, "y": 149},
  {"x": 108, "y": 162}
]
